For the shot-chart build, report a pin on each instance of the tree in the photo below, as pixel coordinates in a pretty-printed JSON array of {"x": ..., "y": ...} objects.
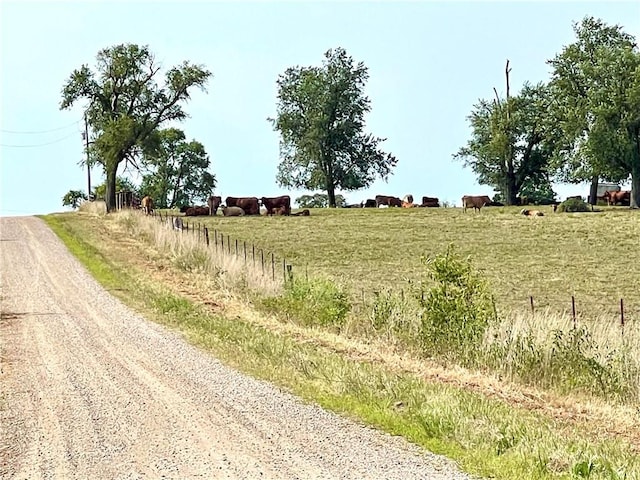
[
  {"x": 321, "y": 120},
  {"x": 319, "y": 200},
  {"x": 178, "y": 171},
  {"x": 596, "y": 85},
  {"x": 508, "y": 146},
  {"x": 126, "y": 105},
  {"x": 123, "y": 184},
  {"x": 73, "y": 198}
]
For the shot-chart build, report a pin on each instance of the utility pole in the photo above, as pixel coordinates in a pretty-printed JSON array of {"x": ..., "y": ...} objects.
[{"x": 86, "y": 147}]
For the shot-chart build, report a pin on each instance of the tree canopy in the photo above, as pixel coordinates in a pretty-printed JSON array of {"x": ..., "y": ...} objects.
[
  {"x": 596, "y": 87},
  {"x": 177, "y": 171},
  {"x": 320, "y": 117},
  {"x": 508, "y": 147},
  {"x": 126, "y": 105}
]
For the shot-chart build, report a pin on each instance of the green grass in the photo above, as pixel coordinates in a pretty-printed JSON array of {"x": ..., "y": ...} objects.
[
  {"x": 591, "y": 256},
  {"x": 486, "y": 436}
]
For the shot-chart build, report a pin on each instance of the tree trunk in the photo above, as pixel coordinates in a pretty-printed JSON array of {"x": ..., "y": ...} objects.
[
  {"x": 511, "y": 193},
  {"x": 331, "y": 195},
  {"x": 635, "y": 184},
  {"x": 110, "y": 194},
  {"x": 593, "y": 191}
]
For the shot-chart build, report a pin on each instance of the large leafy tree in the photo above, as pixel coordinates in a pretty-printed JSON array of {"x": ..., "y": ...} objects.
[
  {"x": 73, "y": 198},
  {"x": 127, "y": 105},
  {"x": 596, "y": 85},
  {"x": 178, "y": 171},
  {"x": 508, "y": 147},
  {"x": 320, "y": 117},
  {"x": 123, "y": 184}
]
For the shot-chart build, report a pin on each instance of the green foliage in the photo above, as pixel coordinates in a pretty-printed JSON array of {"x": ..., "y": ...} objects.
[
  {"x": 596, "y": 85},
  {"x": 573, "y": 205},
  {"x": 457, "y": 310},
  {"x": 123, "y": 184},
  {"x": 178, "y": 173},
  {"x": 318, "y": 200},
  {"x": 73, "y": 198},
  {"x": 508, "y": 146},
  {"x": 313, "y": 302},
  {"x": 320, "y": 117},
  {"x": 126, "y": 105}
]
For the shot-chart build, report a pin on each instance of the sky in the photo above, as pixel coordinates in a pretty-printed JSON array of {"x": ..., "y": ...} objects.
[{"x": 428, "y": 62}]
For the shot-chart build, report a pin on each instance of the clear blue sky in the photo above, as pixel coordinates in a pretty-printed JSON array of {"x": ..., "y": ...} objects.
[{"x": 429, "y": 62}]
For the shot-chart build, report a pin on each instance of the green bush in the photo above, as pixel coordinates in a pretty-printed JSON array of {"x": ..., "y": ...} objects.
[
  {"x": 573, "y": 205},
  {"x": 456, "y": 310},
  {"x": 312, "y": 302}
]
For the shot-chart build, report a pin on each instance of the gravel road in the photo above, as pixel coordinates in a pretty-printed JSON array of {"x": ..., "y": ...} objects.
[{"x": 91, "y": 390}]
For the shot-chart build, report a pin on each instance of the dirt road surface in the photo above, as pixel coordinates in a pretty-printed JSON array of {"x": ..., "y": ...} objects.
[{"x": 91, "y": 390}]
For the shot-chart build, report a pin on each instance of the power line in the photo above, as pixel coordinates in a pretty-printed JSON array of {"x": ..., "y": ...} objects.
[
  {"x": 39, "y": 144},
  {"x": 35, "y": 132}
]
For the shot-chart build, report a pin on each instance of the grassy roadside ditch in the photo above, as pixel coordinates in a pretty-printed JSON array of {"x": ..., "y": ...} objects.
[{"x": 485, "y": 436}]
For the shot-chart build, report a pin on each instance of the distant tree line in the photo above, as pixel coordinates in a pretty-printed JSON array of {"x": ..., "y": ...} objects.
[{"x": 582, "y": 125}]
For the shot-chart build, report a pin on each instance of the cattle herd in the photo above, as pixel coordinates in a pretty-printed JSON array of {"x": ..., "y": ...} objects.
[{"x": 281, "y": 205}]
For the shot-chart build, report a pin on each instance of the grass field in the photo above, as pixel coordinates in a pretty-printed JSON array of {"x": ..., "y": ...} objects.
[
  {"x": 491, "y": 426},
  {"x": 594, "y": 257}
]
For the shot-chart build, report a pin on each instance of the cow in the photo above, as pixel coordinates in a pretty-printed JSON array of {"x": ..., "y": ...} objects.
[
  {"x": 385, "y": 200},
  {"x": 271, "y": 203},
  {"x": 196, "y": 211},
  {"x": 622, "y": 197},
  {"x": 213, "y": 203},
  {"x": 475, "y": 201},
  {"x": 279, "y": 211},
  {"x": 303, "y": 213},
  {"x": 531, "y": 213},
  {"x": 147, "y": 205},
  {"x": 250, "y": 205},
  {"x": 430, "y": 202},
  {"x": 232, "y": 211},
  {"x": 369, "y": 203}
]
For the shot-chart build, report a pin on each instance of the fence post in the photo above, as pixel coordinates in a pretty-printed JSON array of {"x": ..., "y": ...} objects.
[
  {"x": 222, "y": 243},
  {"x": 531, "y": 301},
  {"x": 284, "y": 269},
  {"x": 290, "y": 273},
  {"x": 253, "y": 253},
  {"x": 206, "y": 235},
  {"x": 262, "y": 260},
  {"x": 215, "y": 237},
  {"x": 273, "y": 267},
  {"x": 244, "y": 243},
  {"x": 573, "y": 310},
  {"x": 622, "y": 314},
  {"x": 236, "y": 247},
  {"x": 229, "y": 243}
]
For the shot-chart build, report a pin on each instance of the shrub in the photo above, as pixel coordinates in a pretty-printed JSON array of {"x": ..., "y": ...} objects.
[
  {"x": 573, "y": 205},
  {"x": 457, "y": 310},
  {"x": 312, "y": 302}
]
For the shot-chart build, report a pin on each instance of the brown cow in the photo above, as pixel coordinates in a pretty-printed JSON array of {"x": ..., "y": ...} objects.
[
  {"x": 388, "y": 201},
  {"x": 213, "y": 203},
  {"x": 250, "y": 205},
  {"x": 531, "y": 213},
  {"x": 622, "y": 197},
  {"x": 303, "y": 213},
  {"x": 475, "y": 201},
  {"x": 430, "y": 202},
  {"x": 271, "y": 203},
  {"x": 232, "y": 211},
  {"x": 147, "y": 205},
  {"x": 196, "y": 211}
]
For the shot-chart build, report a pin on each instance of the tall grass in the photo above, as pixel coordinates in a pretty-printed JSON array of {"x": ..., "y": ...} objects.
[{"x": 450, "y": 315}]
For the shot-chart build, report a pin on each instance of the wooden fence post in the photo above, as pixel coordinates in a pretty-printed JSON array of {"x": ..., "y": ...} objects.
[
  {"x": 531, "y": 301},
  {"x": 206, "y": 235},
  {"x": 573, "y": 310},
  {"x": 273, "y": 267}
]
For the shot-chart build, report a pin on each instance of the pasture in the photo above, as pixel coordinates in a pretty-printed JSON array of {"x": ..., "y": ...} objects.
[{"x": 592, "y": 256}]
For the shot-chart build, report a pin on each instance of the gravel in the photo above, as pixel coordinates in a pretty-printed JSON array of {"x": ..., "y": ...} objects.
[{"x": 89, "y": 389}]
